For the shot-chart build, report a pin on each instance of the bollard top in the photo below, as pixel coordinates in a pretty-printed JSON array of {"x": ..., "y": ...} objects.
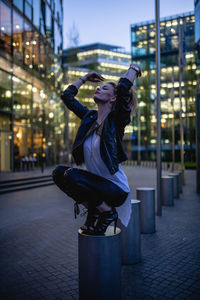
[
  {"x": 109, "y": 232},
  {"x": 134, "y": 201},
  {"x": 173, "y": 174},
  {"x": 166, "y": 177},
  {"x": 145, "y": 189}
]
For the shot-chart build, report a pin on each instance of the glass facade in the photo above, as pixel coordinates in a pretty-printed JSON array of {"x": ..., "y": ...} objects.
[
  {"x": 176, "y": 33},
  {"x": 31, "y": 113},
  {"x": 110, "y": 61},
  {"x": 197, "y": 21}
]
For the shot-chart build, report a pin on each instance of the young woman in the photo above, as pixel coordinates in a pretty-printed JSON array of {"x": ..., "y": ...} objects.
[{"x": 102, "y": 188}]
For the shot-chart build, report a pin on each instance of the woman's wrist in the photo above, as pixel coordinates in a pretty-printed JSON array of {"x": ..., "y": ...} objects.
[
  {"x": 136, "y": 69},
  {"x": 130, "y": 74},
  {"x": 83, "y": 79},
  {"x": 132, "y": 71}
]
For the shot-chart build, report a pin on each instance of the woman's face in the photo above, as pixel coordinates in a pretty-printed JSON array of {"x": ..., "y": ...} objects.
[{"x": 104, "y": 93}]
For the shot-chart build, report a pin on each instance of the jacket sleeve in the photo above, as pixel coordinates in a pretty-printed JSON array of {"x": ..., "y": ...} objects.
[
  {"x": 73, "y": 104},
  {"x": 122, "y": 109}
]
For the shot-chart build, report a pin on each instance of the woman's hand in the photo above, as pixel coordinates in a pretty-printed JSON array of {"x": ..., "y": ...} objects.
[{"x": 93, "y": 77}]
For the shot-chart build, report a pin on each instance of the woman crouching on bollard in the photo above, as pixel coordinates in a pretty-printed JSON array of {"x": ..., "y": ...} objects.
[{"x": 103, "y": 189}]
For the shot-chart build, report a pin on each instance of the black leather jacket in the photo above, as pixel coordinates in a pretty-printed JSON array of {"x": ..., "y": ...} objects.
[{"x": 111, "y": 147}]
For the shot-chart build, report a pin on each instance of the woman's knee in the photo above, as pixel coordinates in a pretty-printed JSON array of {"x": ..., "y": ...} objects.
[{"x": 58, "y": 172}]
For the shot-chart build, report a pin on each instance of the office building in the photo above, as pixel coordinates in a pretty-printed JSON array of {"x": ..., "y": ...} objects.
[
  {"x": 177, "y": 53},
  {"x": 197, "y": 94},
  {"x": 197, "y": 26},
  {"x": 31, "y": 116}
]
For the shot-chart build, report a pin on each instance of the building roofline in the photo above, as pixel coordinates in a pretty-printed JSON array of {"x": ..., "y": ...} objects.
[
  {"x": 187, "y": 14},
  {"x": 97, "y": 45}
]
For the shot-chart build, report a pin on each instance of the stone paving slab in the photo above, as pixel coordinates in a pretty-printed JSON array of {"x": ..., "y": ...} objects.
[{"x": 39, "y": 255}]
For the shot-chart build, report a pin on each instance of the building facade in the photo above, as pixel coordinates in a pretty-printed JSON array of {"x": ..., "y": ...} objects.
[
  {"x": 197, "y": 25},
  {"x": 178, "y": 82},
  {"x": 197, "y": 44},
  {"x": 31, "y": 113},
  {"x": 111, "y": 61}
]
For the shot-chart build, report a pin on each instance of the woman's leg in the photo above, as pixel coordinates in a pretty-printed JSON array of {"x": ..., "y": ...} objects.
[
  {"x": 104, "y": 207},
  {"x": 83, "y": 186},
  {"x": 96, "y": 191},
  {"x": 75, "y": 184}
]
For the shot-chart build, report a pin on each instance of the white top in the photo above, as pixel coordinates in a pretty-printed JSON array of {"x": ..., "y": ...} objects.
[{"x": 96, "y": 165}]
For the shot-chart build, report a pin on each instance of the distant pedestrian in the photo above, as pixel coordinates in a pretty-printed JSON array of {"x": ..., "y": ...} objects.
[{"x": 104, "y": 187}]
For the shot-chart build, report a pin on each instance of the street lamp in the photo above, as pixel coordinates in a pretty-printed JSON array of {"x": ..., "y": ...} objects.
[{"x": 157, "y": 23}]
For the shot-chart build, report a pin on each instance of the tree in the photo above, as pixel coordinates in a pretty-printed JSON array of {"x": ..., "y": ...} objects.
[{"x": 73, "y": 36}]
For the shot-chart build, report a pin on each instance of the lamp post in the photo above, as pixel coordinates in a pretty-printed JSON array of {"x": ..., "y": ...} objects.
[
  {"x": 197, "y": 95},
  {"x": 157, "y": 23},
  {"x": 181, "y": 65},
  {"x": 139, "y": 139},
  {"x": 173, "y": 122}
]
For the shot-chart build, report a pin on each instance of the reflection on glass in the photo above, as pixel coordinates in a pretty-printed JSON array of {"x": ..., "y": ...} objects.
[
  {"x": 35, "y": 50},
  {"x": 5, "y": 121},
  {"x": 22, "y": 140},
  {"x": 22, "y": 99},
  {"x": 5, "y": 91},
  {"x": 58, "y": 39},
  {"x": 5, "y": 28},
  {"x": 36, "y": 13},
  {"x": 5, "y": 64},
  {"x": 28, "y": 10},
  {"x": 17, "y": 37},
  {"x": 28, "y": 45},
  {"x": 37, "y": 139},
  {"x": 19, "y": 4},
  {"x": 49, "y": 26},
  {"x": 21, "y": 73}
]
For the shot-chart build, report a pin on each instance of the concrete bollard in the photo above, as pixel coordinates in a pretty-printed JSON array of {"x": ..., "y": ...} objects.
[
  {"x": 131, "y": 238},
  {"x": 183, "y": 176},
  {"x": 167, "y": 190},
  {"x": 180, "y": 181},
  {"x": 147, "y": 209},
  {"x": 165, "y": 166},
  {"x": 175, "y": 184},
  {"x": 100, "y": 265}
]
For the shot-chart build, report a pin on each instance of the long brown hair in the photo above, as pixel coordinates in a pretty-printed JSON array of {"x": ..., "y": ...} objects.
[{"x": 133, "y": 102}]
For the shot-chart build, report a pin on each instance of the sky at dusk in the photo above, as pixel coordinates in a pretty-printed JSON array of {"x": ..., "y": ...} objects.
[{"x": 108, "y": 21}]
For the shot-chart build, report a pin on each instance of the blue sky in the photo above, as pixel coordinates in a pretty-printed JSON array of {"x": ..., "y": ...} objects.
[{"x": 108, "y": 21}]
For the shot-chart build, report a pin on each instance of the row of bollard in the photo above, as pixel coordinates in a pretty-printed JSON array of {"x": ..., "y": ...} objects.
[
  {"x": 147, "y": 164},
  {"x": 101, "y": 257}
]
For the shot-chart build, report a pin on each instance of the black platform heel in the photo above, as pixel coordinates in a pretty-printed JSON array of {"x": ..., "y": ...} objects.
[
  {"x": 105, "y": 219},
  {"x": 92, "y": 216}
]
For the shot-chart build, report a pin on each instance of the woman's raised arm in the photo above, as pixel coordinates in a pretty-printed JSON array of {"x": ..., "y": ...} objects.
[
  {"x": 122, "y": 107},
  {"x": 68, "y": 96}
]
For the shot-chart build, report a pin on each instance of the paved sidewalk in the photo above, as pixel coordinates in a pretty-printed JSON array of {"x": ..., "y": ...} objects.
[{"x": 38, "y": 246}]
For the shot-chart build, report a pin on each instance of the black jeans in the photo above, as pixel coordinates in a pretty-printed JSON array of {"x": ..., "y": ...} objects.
[{"x": 84, "y": 186}]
